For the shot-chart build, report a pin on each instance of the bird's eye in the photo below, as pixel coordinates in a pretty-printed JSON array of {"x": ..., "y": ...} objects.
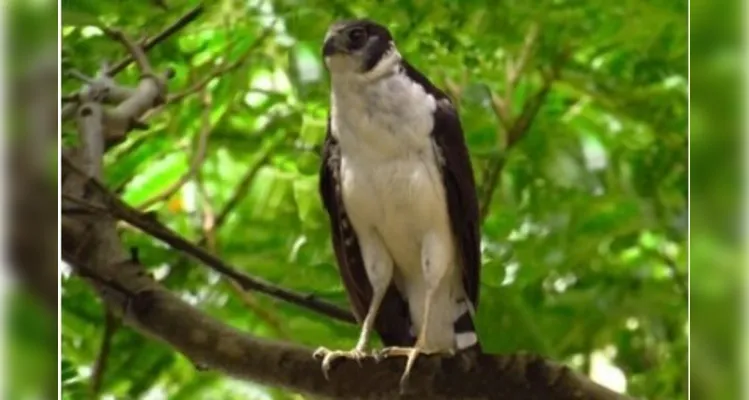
[{"x": 357, "y": 37}]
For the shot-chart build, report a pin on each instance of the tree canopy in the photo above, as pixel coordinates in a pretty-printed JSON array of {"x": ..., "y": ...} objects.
[{"x": 575, "y": 114}]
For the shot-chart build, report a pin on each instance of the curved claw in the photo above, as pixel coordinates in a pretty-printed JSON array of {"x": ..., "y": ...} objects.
[
  {"x": 357, "y": 355},
  {"x": 320, "y": 353},
  {"x": 411, "y": 354},
  {"x": 328, "y": 356},
  {"x": 394, "y": 351}
]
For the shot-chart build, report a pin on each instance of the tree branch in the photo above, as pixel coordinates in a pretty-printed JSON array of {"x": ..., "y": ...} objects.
[
  {"x": 514, "y": 127},
  {"x": 502, "y": 105},
  {"x": 208, "y": 216},
  {"x": 137, "y": 53},
  {"x": 148, "y": 44},
  {"x": 71, "y": 100},
  {"x": 518, "y": 129},
  {"x": 240, "y": 191},
  {"x": 516, "y": 68},
  {"x": 90, "y": 125}
]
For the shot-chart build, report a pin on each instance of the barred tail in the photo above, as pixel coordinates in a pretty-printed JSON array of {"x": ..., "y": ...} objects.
[{"x": 465, "y": 331}]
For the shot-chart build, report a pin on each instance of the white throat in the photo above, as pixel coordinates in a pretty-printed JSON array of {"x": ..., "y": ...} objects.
[
  {"x": 383, "y": 114},
  {"x": 345, "y": 69}
]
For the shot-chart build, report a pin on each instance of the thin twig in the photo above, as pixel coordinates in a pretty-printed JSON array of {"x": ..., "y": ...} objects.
[
  {"x": 502, "y": 104},
  {"x": 83, "y": 204},
  {"x": 520, "y": 126},
  {"x": 160, "y": 37},
  {"x": 249, "y": 301},
  {"x": 517, "y": 131},
  {"x": 111, "y": 324},
  {"x": 528, "y": 114},
  {"x": 241, "y": 189},
  {"x": 501, "y": 109},
  {"x": 197, "y": 160},
  {"x": 80, "y": 76},
  {"x": 208, "y": 226},
  {"x": 517, "y": 67},
  {"x": 492, "y": 173},
  {"x": 137, "y": 53}
]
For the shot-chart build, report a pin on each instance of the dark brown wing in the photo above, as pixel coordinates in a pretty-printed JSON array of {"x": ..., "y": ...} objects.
[
  {"x": 460, "y": 185},
  {"x": 393, "y": 322}
]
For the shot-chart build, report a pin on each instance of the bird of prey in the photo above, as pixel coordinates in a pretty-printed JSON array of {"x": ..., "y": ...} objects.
[{"x": 397, "y": 184}]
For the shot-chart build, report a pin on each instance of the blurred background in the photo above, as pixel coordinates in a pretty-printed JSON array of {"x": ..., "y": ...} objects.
[
  {"x": 576, "y": 118},
  {"x": 718, "y": 228},
  {"x": 575, "y": 113},
  {"x": 28, "y": 200}
]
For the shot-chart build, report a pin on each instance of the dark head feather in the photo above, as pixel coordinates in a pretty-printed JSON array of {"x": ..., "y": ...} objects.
[{"x": 361, "y": 38}]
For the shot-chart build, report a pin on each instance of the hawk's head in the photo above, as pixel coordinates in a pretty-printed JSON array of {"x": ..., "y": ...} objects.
[{"x": 359, "y": 47}]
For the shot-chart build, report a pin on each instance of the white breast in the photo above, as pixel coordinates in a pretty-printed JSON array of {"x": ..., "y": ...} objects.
[
  {"x": 391, "y": 184},
  {"x": 381, "y": 120},
  {"x": 391, "y": 179}
]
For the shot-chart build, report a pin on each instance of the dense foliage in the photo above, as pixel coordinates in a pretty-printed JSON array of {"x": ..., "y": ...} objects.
[{"x": 584, "y": 241}]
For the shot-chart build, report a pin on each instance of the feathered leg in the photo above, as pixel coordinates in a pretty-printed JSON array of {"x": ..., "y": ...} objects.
[
  {"x": 436, "y": 262},
  {"x": 379, "y": 266}
]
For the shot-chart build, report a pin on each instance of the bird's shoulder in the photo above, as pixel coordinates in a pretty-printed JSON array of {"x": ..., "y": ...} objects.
[
  {"x": 429, "y": 87},
  {"x": 444, "y": 108}
]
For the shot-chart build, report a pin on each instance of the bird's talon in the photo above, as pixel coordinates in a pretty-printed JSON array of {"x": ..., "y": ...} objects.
[
  {"x": 326, "y": 363},
  {"x": 320, "y": 353},
  {"x": 388, "y": 352},
  {"x": 328, "y": 356}
]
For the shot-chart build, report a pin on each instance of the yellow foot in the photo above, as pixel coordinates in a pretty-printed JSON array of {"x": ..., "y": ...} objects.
[
  {"x": 412, "y": 353},
  {"x": 328, "y": 356}
]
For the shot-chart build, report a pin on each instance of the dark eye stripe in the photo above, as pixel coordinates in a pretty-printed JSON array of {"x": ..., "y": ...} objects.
[
  {"x": 357, "y": 33},
  {"x": 358, "y": 37}
]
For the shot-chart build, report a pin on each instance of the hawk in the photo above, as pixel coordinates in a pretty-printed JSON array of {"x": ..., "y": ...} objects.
[{"x": 397, "y": 184}]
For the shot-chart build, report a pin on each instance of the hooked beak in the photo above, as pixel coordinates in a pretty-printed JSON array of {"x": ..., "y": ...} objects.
[{"x": 333, "y": 45}]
